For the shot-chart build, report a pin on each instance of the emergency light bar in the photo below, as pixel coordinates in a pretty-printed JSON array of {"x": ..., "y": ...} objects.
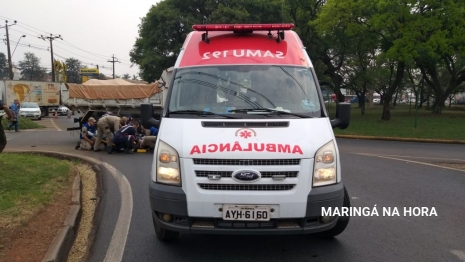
[{"x": 242, "y": 27}]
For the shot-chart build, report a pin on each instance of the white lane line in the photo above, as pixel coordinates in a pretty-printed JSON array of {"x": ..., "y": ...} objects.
[
  {"x": 460, "y": 254},
  {"x": 115, "y": 250},
  {"x": 53, "y": 123},
  {"x": 419, "y": 157},
  {"x": 410, "y": 161}
]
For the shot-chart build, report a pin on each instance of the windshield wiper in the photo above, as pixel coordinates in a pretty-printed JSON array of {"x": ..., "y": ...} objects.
[
  {"x": 274, "y": 111},
  {"x": 199, "y": 113}
]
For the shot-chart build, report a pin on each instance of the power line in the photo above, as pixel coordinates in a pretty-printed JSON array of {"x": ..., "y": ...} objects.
[
  {"x": 51, "y": 38},
  {"x": 113, "y": 61}
]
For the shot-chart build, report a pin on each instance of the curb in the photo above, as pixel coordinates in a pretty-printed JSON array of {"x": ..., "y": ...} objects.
[
  {"x": 64, "y": 239},
  {"x": 424, "y": 140}
]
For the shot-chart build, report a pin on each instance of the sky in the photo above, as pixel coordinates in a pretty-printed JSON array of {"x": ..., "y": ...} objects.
[{"x": 92, "y": 31}]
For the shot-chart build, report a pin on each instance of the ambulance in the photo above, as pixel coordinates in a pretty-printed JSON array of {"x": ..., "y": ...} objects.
[{"x": 245, "y": 144}]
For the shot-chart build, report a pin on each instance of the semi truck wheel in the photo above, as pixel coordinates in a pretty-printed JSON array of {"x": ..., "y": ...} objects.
[
  {"x": 341, "y": 223},
  {"x": 164, "y": 234}
]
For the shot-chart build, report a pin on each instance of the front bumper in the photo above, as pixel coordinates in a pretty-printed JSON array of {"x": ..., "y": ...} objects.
[
  {"x": 172, "y": 200},
  {"x": 31, "y": 115}
]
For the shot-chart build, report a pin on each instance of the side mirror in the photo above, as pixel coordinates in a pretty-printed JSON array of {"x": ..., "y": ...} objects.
[
  {"x": 342, "y": 116},
  {"x": 146, "y": 114}
]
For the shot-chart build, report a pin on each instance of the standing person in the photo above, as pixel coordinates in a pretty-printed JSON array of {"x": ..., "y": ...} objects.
[
  {"x": 107, "y": 125},
  {"x": 15, "y": 112},
  {"x": 87, "y": 136},
  {"x": 125, "y": 137},
  {"x": 2, "y": 132}
]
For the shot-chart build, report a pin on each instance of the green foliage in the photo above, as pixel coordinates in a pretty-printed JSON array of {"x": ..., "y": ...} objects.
[
  {"x": 29, "y": 180},
  {"x": 31, "y": 69},
  {"x": 24, "y": 123},
  {"x": 73, "y": 70},
  {"x": 449, "y": 126},
  {"x": 126, "y": 76},
  {"x": 3, "y": 66}
]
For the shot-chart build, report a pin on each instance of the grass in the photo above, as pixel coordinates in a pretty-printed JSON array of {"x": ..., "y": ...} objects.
[
  {"x": 28, "y": 182},
  {"x": 24, "y": 123},
  {"x": 448, "y": 125}
]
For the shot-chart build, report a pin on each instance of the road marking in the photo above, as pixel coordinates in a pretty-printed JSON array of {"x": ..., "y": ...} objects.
[
  {"x": 420, "y": 157},
  {"x": 460, "y": 254},
  {"x": 118, "y": 240},
  {"x": 410, "y": 161},
  {"x": 53, "y": 123}
]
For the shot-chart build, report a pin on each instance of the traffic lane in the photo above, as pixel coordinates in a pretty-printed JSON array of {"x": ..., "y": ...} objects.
[
  {"x": 370, "y": 181},
  {"x": 431, "y": 152}
]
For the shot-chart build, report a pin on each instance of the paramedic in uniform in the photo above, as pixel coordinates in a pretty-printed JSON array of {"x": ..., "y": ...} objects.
[
  {"x": 150, "y": 137},
  {"x": 5, "y": 108},
  {"x": 87, "y": 135},
  {"x": 105, "y": 125},
  {"x": 125, "y": 137}
]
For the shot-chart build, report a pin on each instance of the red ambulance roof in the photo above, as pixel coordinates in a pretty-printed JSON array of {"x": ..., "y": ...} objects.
[{"x": 228, "y": 48}]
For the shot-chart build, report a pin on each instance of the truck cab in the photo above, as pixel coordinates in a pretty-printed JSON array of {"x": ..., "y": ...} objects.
[{"x": 245, "y": 144}]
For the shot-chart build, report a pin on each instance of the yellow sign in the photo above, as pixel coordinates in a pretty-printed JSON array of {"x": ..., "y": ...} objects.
[{"x": 89, "y": 71}]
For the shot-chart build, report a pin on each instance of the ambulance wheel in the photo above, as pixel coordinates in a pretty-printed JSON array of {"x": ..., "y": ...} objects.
[
  {"x": 342, "y": 222},
  {"x": 163, "y": 233}
]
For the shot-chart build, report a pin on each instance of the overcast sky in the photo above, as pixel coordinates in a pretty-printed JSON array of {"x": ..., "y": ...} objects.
[{"x": 92, "y": 31}]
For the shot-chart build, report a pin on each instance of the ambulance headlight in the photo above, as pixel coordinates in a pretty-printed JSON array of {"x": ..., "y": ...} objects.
[
  {"x": 167, "y": 165},
  {"x": 325, "y": 165}
]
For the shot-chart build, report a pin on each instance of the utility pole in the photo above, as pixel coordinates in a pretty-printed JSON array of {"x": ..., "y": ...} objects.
[
  {"x": 113, "y": 61},
  {"x": 51, "y": 38},
  {"x": 10, "y": 63}
]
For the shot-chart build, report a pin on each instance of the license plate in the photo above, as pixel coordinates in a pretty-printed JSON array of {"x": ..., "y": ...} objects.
[{"x": 246, "y": 213}]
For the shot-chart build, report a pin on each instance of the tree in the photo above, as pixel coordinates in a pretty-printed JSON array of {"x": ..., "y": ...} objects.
[
  {"x": 4, "y": 73},
  {"x": 126, "y": 76},
  {"x": 102, "y": 76},
  {"x": 134, "y": 77},
  {"x": 73, "y": 72},
  {"x": 165, "y": 27},
  {"x": 31, "y": 69}
]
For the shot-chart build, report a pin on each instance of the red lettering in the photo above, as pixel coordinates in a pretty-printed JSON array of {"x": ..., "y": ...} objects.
[
  {"x": 195, "y": 149},
  {"x": 261, "y": 148},
  {"x": 236, "y": 147},
  {"x": 225, "y": 147},
  {"x": 249, "y": 147},
  {"x": 284, "y": 148},
  {"x": 296, "y": 150},
  {"x": 212, "y": 148},
  {"x": 204, "y": 149},
  {"x": 271, "y": 147}
]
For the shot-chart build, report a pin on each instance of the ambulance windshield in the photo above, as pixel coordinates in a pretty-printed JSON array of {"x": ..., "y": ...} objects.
[{"x": 243, "y": 89}]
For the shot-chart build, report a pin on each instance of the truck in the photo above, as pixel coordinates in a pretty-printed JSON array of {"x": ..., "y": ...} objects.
[
  {"x": 245, "y": 144},
  {"x": 46, "y": 94},
  {"x": 97, "y": 97}
]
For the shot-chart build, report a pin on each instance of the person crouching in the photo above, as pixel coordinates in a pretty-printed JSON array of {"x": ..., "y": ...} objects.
[
  {"x": 87, "y": 136},
  {"x": 124, "y": 138}
]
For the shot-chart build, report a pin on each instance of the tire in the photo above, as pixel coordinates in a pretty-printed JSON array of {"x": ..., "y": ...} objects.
[
  {"x": 164, "y": 234},
  {"x": 342, "y": 222},
  {"x": 40, "y": 118}
]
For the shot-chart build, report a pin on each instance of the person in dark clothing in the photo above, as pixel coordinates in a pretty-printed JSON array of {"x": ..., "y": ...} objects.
[
  {"x": 6, "y": 109},
  {"x": 124, "y": 138}
]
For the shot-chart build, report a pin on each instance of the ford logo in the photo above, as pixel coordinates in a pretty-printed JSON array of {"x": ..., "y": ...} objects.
[{"x": 246, "y": 175}]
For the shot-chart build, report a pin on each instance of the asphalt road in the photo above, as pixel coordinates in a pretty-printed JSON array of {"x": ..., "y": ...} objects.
[{"x": 381, "y": 173}]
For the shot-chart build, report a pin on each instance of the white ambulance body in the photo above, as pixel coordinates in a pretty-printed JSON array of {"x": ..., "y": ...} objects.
[{"x": 245, "y": 145}]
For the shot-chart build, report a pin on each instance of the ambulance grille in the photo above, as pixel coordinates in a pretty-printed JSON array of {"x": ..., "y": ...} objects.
[
  {"x": 245, "y": 124},
  {"x": 229, "y": 173},
  {"x": 237, "y": 187},
  {"x": 247, "y": 162}
]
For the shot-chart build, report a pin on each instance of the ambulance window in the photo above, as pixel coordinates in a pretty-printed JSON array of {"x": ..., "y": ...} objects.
[{"x": 220, "y": 89}]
